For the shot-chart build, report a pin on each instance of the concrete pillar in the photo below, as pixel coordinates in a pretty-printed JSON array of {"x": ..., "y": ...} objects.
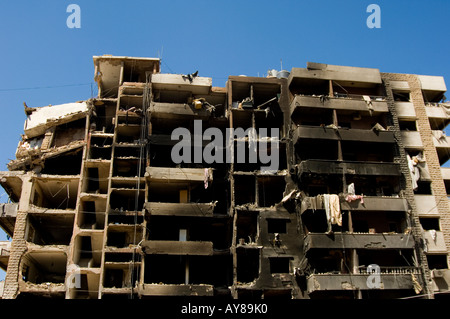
[{"x": 18, "y": 244}]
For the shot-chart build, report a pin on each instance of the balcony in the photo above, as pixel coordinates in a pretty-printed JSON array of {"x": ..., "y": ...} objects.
[
  {"x": 8, "y": 213},
  {"x": 168, "y": 175},
  {"x": 438, "y": 110},
  {"x": 440, "y": 140},
  {"x": 5, "y": 248},
  {"x": 176, "y": 290},
  {"x": 442, "y": 144},
  {"x": 391, "y": 278},
  {"x": 177, "y": 111},
  {"x": 370, "y": 204},
  {"x": 326, "y": 133},
  {"x": 411, "y": 139},
  {"x": 426, "y": 205},
  {"x": 172, "y": 247},
  {"x": 405, "y": 110},
  {"x": 432, "y": 83},
  {"x": 445, "y": 172},
  {"x": 348, "y": 167},
  {"x": 315, "y": 72},
  {"x": 435, "y": 242},
  {"x": 352, "y": 103},
  {"x": 376, "y": 203},
  {"x": 178, "y": 82},
  {"x": 441, "y": 279},
  {"x": 180, "y": 209},
  {"x": 358, "y": 241}
]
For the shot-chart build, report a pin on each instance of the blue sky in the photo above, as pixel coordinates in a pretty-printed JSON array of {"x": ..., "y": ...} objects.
[{"x": 44, "y": 62}]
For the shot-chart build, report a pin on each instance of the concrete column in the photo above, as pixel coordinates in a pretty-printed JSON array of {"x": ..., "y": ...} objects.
[{"x": 18, "y": 244}]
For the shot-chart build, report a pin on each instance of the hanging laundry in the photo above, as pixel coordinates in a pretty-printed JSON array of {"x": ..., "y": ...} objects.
[
  {"x": 421, "y": 164},
  {"x": 335, "y": 208},
  {"x": 350, "y": 198},
  {"x": 332, "y": 210},
  {"x": 416, "y": 284},
  {"x": 433, "y": 234},
  {"x": 326, "y": 203},
  {"x": 351, "y": 189},
  {"x": 414, "y": 171},
  {"x": 368, "y": 101}
]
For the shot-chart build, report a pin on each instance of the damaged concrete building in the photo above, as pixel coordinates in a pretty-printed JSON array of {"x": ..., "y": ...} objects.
[{"x": 357, "y": 207}]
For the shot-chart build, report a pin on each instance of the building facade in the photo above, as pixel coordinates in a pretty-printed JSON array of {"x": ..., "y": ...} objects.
[{"x": 354, "y": 206}]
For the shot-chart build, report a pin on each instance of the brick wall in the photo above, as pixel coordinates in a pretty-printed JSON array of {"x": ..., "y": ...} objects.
[
  {"x": 434, "y": 168},
  {"x": 18, "y": 248},
  {"x": 406, "y": 182}
]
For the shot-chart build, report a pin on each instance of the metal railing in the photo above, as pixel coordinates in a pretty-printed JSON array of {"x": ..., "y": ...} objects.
[{"x": 389, "y": 270}]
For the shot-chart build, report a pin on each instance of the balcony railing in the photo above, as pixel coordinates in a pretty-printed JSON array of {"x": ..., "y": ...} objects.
[
  {"x": 342, "y": 102},
  {"x": 359, "y": 96},
  {"x": 390, "y": 270}
]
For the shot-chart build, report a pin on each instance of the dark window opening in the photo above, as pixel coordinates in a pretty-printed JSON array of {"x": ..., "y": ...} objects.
[
  {"x": 312, "y": 117},
  {"x": 433, "y": 96},
  {"x": 279, "y": 265},
  {"x": 247, "y": 264},
  {"x": 270, "y": 190},
  {"x": 165, "y": 269},
  {"x": 37, "y": 268},
  {"x": 116, "y": 239},
  {"x": 55, "y": 194},
  {"x": 118, "y": 278},
  {"x": 310, "y": 149},
  {"x": 437, "y": 261},
  {"x": 92, "y": 214},
  {"x": 275, "y": 225},
  {"x": 204, "y": 229},
  {"x": 64, "y": 164},
  {"x": 128, "y": 133},
  {"x": 93, "y": 180},
  {"x": 244, "y": 189},
  {"x": 247, "y": 227},
  {"x": 367, "y": 152},
  {"x": 102, "y": 119},
  {"x": 330, "y": 260},
  {"x": 85, "y": 252},
  {"x": 423, "y": 188},
  {"x": 401, "y": 96},
  {"x": 125, "y": 200},
  {"x": 386, "y": 258},
  {"x": 100, "y": 152},
  {"x": 407, "y": 125},
  {"x": 128, "y": 167},
  {"x": 311, "y": 87},
  {"x": 216, "y": 270},
  {"x": 69, "y": 132},
  {"x": 49, "y": 231},
  {"x": 430, "y": 223}
]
